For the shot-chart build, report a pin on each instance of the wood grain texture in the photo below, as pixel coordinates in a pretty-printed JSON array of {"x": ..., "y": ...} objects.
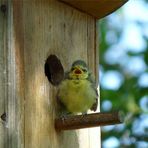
[
  {"x": 89, "y": 120},
  {"x": 96, "y": 8},
  {"x": 2, "y": 74},
  {"x": 37, "y": 29},
  {"x": 15, "y": 89}
]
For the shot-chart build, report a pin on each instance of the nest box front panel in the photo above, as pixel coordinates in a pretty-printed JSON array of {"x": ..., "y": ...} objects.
[{"x": 42, "y": 28}]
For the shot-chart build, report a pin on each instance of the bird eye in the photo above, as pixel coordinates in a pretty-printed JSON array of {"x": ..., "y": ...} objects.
[
  {"x": 84, "y": 70},
  {"x": 72, "y": 68}
]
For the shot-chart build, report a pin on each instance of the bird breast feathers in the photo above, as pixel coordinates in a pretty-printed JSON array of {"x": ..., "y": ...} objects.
[{"x": 76, "y": 91}]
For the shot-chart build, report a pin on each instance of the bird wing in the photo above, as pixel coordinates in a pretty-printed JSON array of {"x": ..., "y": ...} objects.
[{"x": 95, "y": 105}]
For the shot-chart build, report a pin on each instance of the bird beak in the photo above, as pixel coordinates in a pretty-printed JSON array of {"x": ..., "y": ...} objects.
[{"x": 78, "y": 71}]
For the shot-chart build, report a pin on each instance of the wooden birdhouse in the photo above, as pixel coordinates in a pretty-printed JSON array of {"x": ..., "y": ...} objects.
[{"x": 31, "y": 31}]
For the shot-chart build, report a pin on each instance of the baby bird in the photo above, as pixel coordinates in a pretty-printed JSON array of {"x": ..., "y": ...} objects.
[{"x": 77, "y": 92}]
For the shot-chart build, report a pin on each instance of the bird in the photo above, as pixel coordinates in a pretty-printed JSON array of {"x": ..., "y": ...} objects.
[{"x": 77, "y": 92}]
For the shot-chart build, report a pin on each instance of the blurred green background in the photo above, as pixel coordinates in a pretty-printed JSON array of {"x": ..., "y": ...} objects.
[{"x": 124, "y": 74}]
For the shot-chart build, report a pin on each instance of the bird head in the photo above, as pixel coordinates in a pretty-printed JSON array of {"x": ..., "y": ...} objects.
[{"x": 79, "y": 70}]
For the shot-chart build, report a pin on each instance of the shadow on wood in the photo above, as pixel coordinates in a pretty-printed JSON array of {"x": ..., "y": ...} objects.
[
  {"x": 96, "y": 8},
  {"x": 90, "y": 120}
]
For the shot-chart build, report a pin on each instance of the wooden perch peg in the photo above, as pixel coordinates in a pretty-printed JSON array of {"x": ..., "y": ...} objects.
[{"x": 87, "y": 121}]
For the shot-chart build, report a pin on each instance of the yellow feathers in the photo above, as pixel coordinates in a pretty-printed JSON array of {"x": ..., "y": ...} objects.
[
  {"x": 77, "y": 95},
  {"x": 77, "y": 92}
]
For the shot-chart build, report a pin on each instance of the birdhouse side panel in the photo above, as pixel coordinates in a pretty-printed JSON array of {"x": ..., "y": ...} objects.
[{"x": 2, "y": 76}]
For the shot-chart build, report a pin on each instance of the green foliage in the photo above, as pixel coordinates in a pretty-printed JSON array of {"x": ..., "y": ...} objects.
[{"x": 128, "y": 96}]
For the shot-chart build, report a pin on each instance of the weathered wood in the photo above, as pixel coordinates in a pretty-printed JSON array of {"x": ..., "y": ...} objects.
[
  {"x": 15, "y": 87},
  {"x": 3, "y": 72},
  {"x": 42, "y": 28},
  {"x": 96, "y": 8},
  {"x": 30, "y": 31},
  {"x": 89, "y": 120}
]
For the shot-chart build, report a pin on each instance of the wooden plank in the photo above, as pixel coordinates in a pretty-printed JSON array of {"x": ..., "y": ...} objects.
[
  {"x": 93, "y": 62},
  {"x": 96, "y": 8},
  {"x": 2, "y": 74},
  {"x": 15, "y": 87},
  {"x": 42, "y": 28}
]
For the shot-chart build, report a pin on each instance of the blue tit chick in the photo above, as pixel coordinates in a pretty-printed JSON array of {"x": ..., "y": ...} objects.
[{"x": 77, "y": 92}]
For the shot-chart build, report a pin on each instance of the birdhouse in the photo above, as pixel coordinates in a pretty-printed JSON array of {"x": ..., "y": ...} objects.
[{"x": 31, "y": 31}]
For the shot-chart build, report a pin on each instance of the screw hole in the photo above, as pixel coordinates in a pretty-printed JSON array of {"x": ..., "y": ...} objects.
[
  {"x": 3, "y": 8},
  {"x": 4, "y": 117}
]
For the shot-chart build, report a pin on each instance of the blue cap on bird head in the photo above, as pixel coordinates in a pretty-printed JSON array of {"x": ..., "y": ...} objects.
[{"x": 79, "y": 62}]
